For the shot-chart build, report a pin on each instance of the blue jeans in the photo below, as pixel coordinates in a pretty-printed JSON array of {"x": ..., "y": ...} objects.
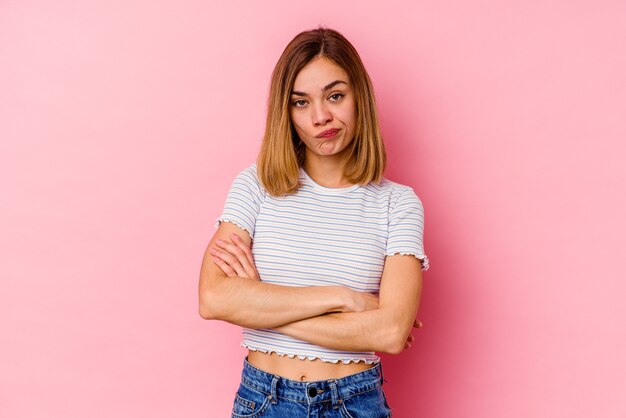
[{"x": 267, "y": 395}]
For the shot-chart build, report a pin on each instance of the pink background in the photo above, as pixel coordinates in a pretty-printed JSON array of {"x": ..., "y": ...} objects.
[{"x": 122, "y": 124}]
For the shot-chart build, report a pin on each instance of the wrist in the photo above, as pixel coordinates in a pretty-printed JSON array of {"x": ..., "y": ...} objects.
[{"x": 342, "y": 296}]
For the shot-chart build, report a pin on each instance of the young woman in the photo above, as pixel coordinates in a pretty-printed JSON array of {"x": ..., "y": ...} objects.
[{"x": 317, "y": 255}]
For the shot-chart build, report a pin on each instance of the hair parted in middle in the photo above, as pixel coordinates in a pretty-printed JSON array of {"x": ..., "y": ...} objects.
[{"x": 282, "y": 152}]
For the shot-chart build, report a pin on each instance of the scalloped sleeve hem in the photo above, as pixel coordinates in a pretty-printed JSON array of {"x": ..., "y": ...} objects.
[
  {"x": 233, "y": 221},
  {"x": 422, "y": 257}
]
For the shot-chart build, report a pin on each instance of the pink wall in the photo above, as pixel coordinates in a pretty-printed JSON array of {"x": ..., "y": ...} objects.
[{"x": 123, "y": 123}]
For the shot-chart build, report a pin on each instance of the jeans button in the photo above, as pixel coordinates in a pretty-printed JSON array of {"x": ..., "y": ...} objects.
[{"x": 312, "y": 392}]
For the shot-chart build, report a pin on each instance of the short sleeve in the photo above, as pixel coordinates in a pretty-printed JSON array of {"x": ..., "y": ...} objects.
[
  {"x": 243, "y": 201},
  {"x": 406, "y": 227}
]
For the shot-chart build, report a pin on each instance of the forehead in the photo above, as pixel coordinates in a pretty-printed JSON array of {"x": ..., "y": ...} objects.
[{"x": 317, "y": 74}]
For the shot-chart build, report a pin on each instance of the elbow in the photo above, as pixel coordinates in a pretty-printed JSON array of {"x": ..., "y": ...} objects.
[
  {"x": 394, "y": 341},
  {"x": 394, "y": 347},
  {"x": 205, "y": 311},
  {"x": 208, "y": 306}
]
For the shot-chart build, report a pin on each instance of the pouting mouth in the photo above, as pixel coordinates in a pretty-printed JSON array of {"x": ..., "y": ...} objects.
[{"x": 328, "y": 132}]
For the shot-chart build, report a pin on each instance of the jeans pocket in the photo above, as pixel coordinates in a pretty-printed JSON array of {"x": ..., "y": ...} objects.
[
  {"x": 249, "y": 403},
  {"x": 370, "y": 404}
]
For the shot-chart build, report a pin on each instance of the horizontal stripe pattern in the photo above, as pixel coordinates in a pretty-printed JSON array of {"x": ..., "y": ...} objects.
[{"x": 323, "y": 236}]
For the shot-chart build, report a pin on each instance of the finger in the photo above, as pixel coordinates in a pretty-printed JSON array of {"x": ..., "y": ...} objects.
[
  {"x": 229, "y": 259},
  {"x": 409, "y": 340},
  {"x": 239, "y": 261},
  {"x": 225, "y": 267},
  {"x": 237, "y": 240},
  {"x": 245, "y": 258}
]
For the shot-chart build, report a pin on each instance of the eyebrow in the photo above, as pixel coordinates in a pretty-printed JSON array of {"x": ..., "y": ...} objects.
[{"x": 328, "y": 87}]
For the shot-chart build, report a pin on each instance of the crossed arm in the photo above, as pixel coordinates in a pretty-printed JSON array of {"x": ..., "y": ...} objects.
[
  {"x": 383, "y": 329},
  {"x": 331, "y": 316}
]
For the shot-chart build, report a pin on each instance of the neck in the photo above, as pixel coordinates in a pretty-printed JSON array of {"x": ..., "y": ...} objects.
[{"x": 327, "y": 172}]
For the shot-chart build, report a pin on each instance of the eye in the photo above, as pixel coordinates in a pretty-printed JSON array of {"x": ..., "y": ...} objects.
[
  {"x": 338, "y": 98},
  {"x": 298, "y": 101}
]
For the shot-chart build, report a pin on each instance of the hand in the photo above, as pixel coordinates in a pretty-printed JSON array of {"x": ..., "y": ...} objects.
[
  {"x": 235, "y": 259},
  {"x": 416, "y": 324}
]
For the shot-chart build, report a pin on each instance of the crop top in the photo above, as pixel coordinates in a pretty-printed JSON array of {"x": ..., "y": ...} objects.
[{"x": 321, "y": 236}]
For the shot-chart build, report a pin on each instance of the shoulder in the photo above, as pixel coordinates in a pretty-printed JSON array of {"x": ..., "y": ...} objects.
[
  {"x": 397, "y": 192},
  {"x": 249, "y": 172},
  {"x": 246, "y": 181},
  {"x": 249, "y": 175}
]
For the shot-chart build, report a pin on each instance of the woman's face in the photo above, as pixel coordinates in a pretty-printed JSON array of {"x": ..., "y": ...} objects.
[{"x": 322, "y": 100}]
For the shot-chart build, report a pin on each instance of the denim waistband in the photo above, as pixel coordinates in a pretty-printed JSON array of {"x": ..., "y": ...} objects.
[{"x": 310, "y": 392}]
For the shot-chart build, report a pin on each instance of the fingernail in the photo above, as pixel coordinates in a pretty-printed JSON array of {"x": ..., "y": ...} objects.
[
  {"x": 235, "y": 236},
  {"x": 219, "y": 241}
]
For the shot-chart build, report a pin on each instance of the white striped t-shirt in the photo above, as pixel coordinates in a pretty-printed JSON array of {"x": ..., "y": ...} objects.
[{"x": 323, "y": 236}]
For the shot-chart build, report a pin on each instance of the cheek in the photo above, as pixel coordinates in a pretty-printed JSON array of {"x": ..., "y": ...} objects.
[
  {"x": 347, "y": 112},
  {"x": 348, "y": 116},
  {"x": 297, "y": 122}
]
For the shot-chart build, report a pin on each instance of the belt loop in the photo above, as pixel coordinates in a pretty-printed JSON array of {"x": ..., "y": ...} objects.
[
  {"x": 273, "y": 395},
  {"x": 382, "y": 376},
  {"x": 334, "y": 393}
]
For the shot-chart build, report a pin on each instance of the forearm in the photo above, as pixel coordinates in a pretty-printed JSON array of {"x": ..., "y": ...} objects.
[
  {"x": 373, "y": 330},
  {"x": 255, "y": 304}
]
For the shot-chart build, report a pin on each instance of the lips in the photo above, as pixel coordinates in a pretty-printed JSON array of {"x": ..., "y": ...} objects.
[{"x": 327, "y": 133}]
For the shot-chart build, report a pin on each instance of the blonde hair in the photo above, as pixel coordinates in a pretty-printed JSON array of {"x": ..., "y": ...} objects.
[{"x": 282, "y": 152}]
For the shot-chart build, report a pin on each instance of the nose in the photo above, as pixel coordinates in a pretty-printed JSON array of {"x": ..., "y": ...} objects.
[{"x": 321, "y": 115}]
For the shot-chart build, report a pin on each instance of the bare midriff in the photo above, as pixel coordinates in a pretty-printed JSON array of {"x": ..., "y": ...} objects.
[{"x": 303, "y": 370}]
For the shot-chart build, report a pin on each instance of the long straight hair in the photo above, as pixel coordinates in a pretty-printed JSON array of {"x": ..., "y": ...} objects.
[{"x": 282, "y": 152}]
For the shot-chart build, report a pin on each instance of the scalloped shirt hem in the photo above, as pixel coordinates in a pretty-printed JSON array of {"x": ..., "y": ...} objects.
[{"x": 312, "y": 357}]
